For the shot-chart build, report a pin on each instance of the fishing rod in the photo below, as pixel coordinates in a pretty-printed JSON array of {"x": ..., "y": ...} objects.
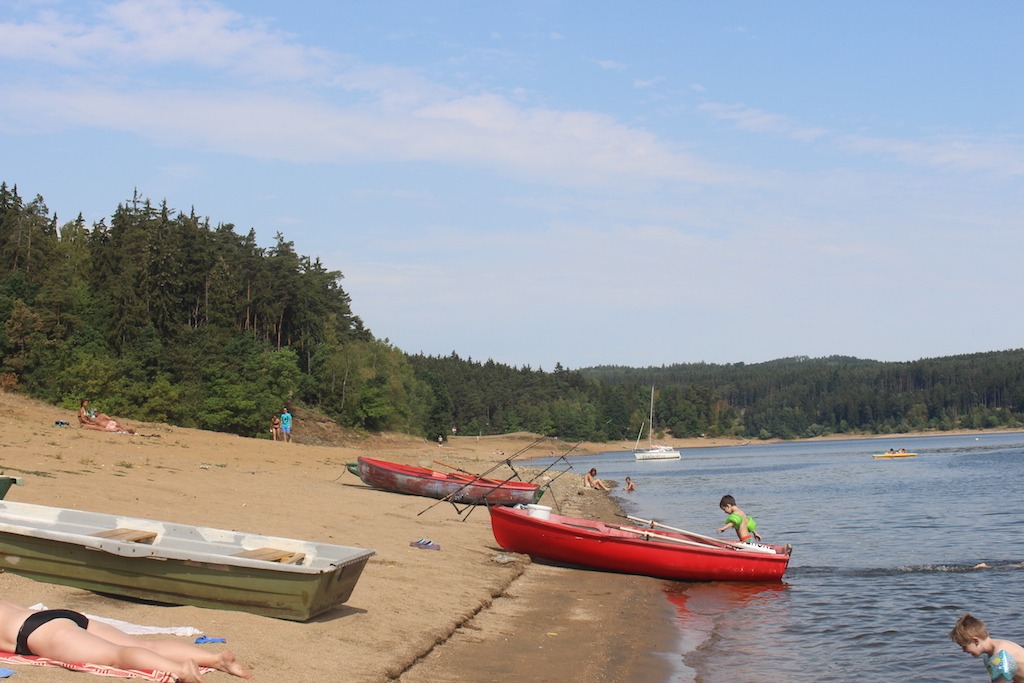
[
  {"x": 506, "y": 462},
  {"x": 546, "y": 485}
]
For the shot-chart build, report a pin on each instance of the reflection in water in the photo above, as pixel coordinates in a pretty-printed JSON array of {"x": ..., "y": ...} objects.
[
  {"x": 702, "y": 610},
  {"x": 697, "y": 599}
]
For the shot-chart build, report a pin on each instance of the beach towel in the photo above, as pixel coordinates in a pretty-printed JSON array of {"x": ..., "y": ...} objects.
[
  {"x": 98, "y": 669},
  {"x": 139, "y": 629}
]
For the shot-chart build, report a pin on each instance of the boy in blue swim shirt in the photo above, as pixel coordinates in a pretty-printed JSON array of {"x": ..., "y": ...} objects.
[{"x": 1001, "y": 657}]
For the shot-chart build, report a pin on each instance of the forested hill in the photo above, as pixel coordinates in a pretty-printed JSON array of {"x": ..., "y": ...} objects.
[
  {"x": 157, "y": 315},
  {"x": 804, "y": 397}
]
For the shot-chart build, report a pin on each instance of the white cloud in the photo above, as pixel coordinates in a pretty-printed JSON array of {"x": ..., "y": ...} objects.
[
  {"x": 136, "y": 33},
  {"x": 758, "y": 121},
  {"x": 1002, "y": 157},
  {"x": 648, "y": 82}
]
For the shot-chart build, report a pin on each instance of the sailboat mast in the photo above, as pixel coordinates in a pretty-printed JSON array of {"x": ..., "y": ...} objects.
[{"x": 650, "y": 434}]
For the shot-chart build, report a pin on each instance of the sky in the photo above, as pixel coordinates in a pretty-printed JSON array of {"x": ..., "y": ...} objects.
[{"x": 576, "y": 183}]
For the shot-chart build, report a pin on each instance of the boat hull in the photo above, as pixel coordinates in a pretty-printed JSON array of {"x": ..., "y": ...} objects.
[
  {"x": 658, "y": 453},
  {"x": 887, "y": 456},
  {"x": 6, "y": 483},
  {"x": 596, "y": 545},
  {"x": 459, "y": 488},
  {"x": 180, "y": 565}
]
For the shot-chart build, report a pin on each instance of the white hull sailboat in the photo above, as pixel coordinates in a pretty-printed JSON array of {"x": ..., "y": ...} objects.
[{"x": 653, "y": 450}]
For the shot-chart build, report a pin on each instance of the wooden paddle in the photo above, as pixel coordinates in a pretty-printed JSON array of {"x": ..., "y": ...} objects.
[
  {"x": 710, "y": 539},
  {"x": 660, "y": 537},
  {"x": 457, "y": 469}
]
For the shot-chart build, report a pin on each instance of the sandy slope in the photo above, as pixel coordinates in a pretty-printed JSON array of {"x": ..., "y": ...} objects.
[{"x": 412, "y": 609}]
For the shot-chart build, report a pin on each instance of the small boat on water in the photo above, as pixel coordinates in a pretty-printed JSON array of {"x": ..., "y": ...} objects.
[
  {"x": 653, "y": 451},
  {"x": 657, "y": 452},
  {"x": 883, "y": 456},
  {"x": 663, "y": 553},
  {"x": 177, "y": 564},
  {"x": 457, "y": 487}
]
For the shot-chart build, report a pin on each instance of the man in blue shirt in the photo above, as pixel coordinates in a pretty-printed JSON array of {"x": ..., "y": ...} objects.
[{"x": 286, "y": 424}]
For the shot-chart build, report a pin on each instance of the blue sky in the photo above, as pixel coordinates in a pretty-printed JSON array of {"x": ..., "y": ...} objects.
[{"x": 583, "y": 183}]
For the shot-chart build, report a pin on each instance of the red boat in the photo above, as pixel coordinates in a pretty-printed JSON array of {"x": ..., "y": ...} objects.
[
  {"x": 676, "y": 555},
  {"x": 457, "y": 487}
]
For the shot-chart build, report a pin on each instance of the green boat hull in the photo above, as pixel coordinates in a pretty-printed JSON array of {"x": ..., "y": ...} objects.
[
  {"x": 205, "y": 579},
  {"x": 6, "y": 483}
]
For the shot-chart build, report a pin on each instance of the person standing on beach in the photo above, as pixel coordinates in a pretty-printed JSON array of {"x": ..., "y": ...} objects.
[
  {"x": 286, "y": 424},
  {"x": 275, "y": 428}
]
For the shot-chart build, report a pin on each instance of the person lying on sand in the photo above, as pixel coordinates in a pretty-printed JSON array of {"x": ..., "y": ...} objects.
[
  {"x": 90, "y": 419},
  {"x": 67, "y": 636}
]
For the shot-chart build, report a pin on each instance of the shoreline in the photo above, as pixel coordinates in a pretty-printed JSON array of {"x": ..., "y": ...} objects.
[{"x": 412, "y": 611}]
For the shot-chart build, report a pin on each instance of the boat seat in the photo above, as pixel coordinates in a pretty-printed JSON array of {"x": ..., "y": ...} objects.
[
  {"x": 272, "y": 555},
  {"x": 127, "y": 535}
]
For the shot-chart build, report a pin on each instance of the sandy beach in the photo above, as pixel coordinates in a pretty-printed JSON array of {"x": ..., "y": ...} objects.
[
  {"x": 456, "y": 614},
  {"x": 460, "y": 614}
]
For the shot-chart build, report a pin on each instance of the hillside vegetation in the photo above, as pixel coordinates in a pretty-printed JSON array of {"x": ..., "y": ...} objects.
[{"x": 160, "y": 316}]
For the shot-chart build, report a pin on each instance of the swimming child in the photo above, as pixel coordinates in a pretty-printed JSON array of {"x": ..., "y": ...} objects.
[
  {"x": 746, "y": 527},
  {"x": 630, "y": 486},
  {"x": 1001, "y": 657}
]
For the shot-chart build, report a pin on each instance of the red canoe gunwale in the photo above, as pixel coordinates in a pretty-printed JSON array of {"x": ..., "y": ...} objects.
[
  {"x": 633, "y": 550},
  {"x": 457, "y": 487}
]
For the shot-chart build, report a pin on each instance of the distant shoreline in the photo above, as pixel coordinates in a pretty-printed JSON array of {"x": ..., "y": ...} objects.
[{"x": 593, "y": 448}]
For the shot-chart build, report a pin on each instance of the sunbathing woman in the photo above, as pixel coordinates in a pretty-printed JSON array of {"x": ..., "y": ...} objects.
[
  {"x": 70, "y": 637},
  {"x": 90, "y": 419}
]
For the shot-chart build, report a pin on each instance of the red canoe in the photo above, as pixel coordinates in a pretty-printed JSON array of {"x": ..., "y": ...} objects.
[
  {"x": 465, "y": 489},
  {"x": 635, "y": 550}
]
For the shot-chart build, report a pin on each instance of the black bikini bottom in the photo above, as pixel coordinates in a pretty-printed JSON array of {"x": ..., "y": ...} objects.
[{"x": 37, "y": 619}]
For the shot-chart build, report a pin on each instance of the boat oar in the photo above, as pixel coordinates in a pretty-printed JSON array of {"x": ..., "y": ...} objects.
[
  {"x": 661, "y": 537},
  {"x": 453, "y": 467},
  {"x": 711, "y": 539}
]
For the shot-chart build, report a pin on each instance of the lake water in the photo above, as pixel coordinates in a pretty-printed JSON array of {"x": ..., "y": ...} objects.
[{"x": 883, "y": 555}]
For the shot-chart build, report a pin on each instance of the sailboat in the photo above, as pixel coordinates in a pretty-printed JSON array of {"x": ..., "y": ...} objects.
[{"x": 653, "y": 450}]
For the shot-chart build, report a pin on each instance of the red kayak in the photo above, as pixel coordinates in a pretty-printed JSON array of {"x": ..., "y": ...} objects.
[
  {"x": 676, "y": 555},
  {"x": 457, "y": 487}
]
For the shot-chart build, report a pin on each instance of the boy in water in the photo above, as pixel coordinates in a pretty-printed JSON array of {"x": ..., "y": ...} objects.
[
  {"x": 71, "y": 637},
  {"x": 1001, "y": 657},
  {"x": 746, "y": 527}
]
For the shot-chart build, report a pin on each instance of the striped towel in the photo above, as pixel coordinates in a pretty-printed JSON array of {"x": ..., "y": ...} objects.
[{"x": 98, "y": 669}]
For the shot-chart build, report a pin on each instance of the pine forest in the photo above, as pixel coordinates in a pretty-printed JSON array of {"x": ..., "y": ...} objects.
[{"x": 157, "y": 315}]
